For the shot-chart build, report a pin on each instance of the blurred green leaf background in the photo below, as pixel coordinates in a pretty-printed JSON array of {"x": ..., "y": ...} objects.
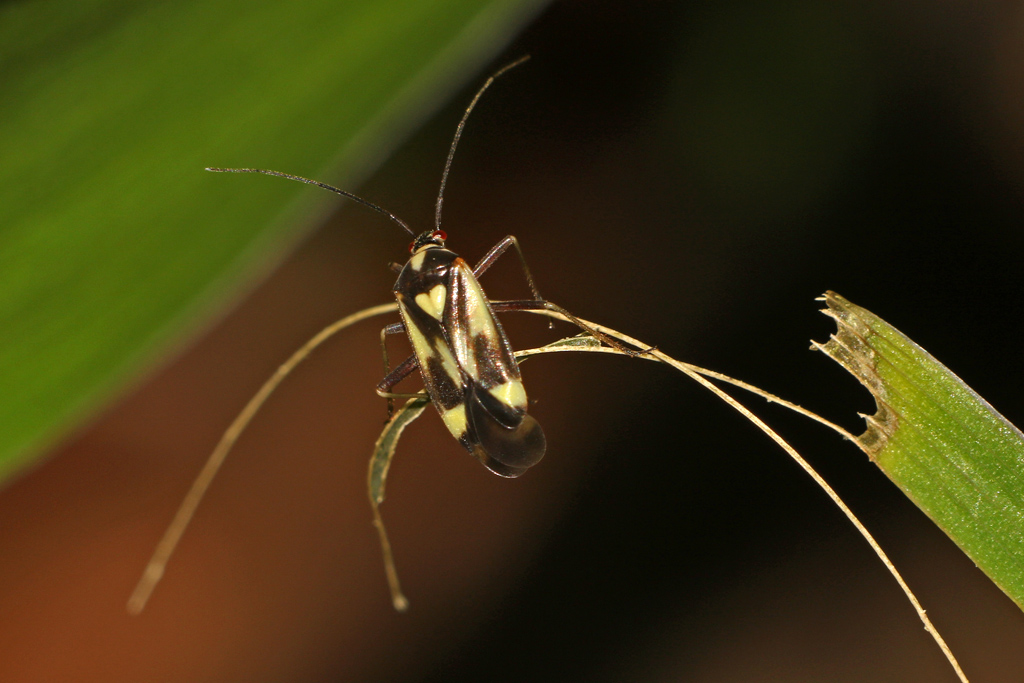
[{"x": 113, "y": 242}]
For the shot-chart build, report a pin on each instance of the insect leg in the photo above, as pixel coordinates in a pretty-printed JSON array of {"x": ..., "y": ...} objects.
[
  {"x": 394, "y": 328},
  {"x": 404, "y": 369},
  {"x": 496, "y": 251},
  {"x": 391, "y": 378}
]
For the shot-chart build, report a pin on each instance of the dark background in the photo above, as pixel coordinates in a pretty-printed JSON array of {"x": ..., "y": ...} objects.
[{"x": 694, "y": 174}]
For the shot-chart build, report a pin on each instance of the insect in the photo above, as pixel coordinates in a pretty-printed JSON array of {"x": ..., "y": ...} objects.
[{"x": 463, "y": 355}]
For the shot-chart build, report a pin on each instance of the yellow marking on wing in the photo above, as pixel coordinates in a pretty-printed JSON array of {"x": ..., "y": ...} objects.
[
  {"x": 449, "y": 363},
  {"x": 426, "y": 303},
  {"x": 432, "y": 302},
  {"x": 478, "y": 314},
  {"x": 420, "y": 345},
  {"x": 455, "y": 420},
  {"x": 437, "y": 297},
  {"x": 416, "y": 262},
  {"x": 510, "y": 393},
  {"x": 424, "y": 350},
  {"x": 480, "y": 322},
  {"x": 470, "y": 364}
]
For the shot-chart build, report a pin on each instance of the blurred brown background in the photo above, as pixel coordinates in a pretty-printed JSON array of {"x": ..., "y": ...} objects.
[{"x": 691, "y": 173}]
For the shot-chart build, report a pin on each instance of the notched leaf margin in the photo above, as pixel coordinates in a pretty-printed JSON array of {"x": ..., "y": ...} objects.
[{"x": 850, "y": 348}]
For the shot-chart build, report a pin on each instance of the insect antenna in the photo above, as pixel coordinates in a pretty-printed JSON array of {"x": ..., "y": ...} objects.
[
  {"x": 325, "y": 186},
  {"x": 458, "y": 133}
]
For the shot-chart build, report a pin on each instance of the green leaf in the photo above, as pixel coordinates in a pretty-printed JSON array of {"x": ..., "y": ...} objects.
[
  {"x": 384, "y": 449},
  {"x": 957, "y": 458},
  {"x": 113, "y": 241},
  {"x": 380, "y": 462}
]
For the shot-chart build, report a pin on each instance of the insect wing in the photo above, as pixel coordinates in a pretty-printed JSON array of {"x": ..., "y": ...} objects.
[
  {"x": 503, "y": 437},
  {"x": 422, "y": 302},
  {"x": 504, "y": 451},
  {"x": 481, "y": 347}
]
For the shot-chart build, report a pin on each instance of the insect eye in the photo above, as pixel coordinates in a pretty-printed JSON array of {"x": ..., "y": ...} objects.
[
  {"x": 441, "y": 235},
  {"x": 412, "y": 245}
]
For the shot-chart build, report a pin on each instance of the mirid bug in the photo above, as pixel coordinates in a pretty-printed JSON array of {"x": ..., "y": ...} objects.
[
  {"x": 463, "y": 355},
  {"x": 459, "y": 346}
]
